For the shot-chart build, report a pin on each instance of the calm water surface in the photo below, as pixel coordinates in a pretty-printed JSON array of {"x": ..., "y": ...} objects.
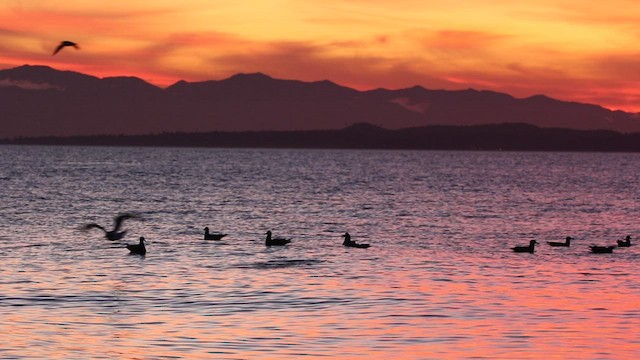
[{"x": 439, "y": 281}]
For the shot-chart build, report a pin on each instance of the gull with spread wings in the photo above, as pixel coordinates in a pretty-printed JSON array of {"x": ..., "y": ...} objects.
[
  {"x": 65, "y": 44},
  {"x": 114, "y": 234}
]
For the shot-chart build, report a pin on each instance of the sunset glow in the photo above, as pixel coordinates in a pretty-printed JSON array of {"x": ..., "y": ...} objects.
[{"x": 583, "y": 51}]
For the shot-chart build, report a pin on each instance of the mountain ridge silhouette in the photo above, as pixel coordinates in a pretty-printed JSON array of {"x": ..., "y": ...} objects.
[{"x": 43, "y": 101}]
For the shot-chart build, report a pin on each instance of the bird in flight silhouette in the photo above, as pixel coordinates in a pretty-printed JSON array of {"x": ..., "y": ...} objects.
[
  {"x": 114, "y": 234},
  {"x": 65, "y": 44}
]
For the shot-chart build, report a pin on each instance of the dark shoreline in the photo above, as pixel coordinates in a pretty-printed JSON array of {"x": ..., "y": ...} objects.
[{"x": 507, "y": 137}]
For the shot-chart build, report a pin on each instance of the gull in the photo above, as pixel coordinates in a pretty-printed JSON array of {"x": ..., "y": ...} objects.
[
  {"x": 64, "y": 44},
  {"x": 602, "y": 249},
  {"x": 625, "y": 243},
  {"x": 567, "y": 242},
  {"x": 529, "y": 249},
  {"x": 209, "y": 236},
  {"x": 114, "y": 234},
  {"x": 139, "y": 249},
  {"x": 350, "y": 243},
  {"x": 275, "y": 241}
]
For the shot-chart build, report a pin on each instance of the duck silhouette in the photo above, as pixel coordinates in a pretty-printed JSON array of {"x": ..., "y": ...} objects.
[
  {"x": 625, "y": 243},
  {"x": 114, "y": 234},
  {"x": 139, "y": 248},
  {"x": 208, "y": 236},
  {"x": 349, "y": 243},
  {"x": 602, "y": 249},
  {"x": 529, "y": 249},
  {"x": 64, "y": 44},
  {"x": 275, "y": 241},
  {"x": 567, "y": 242}
]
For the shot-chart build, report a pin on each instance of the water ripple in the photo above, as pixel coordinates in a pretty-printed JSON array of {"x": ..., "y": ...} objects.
[{"x": 440, "y": 280}]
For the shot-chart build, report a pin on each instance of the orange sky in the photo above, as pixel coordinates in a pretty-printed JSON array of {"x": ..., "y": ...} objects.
[{"x": 586, "y": 50}]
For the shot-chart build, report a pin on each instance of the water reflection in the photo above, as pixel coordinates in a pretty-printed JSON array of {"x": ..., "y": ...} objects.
[{"x": 440, "y": 280}]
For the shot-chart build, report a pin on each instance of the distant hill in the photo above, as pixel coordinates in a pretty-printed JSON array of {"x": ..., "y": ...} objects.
[
  {"x": 517, "y": 137},
  {"x": 41, "y": 101}
]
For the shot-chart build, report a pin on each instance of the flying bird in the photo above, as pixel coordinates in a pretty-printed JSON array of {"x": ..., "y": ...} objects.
[
  {"x": 114, "y": 234},
  {"x": 65, "y": 44}
]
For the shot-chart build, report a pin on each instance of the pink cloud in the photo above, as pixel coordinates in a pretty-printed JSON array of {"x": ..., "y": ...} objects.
[
  {"x": 28, "y": 85},
  {"x": 306, "y": 61}
]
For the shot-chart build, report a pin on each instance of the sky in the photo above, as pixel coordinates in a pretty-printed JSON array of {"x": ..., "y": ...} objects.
[{"x": 586, "y": 50}]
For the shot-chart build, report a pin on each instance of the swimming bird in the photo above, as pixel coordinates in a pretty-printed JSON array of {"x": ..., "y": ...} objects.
[
  {"x": 602, "y": 249},
  {"x": 114, "y": 234},
  {"x": 208, "y": 236},
  {"x": 567, "y": 242},
  {"x": 625, "y": 243},
  {"x": 349, "y": 243},
  {"x": 65, "y": 44},
  {"x": 275, "y": 241},
  {"x": 529, "y": 249},
  {"x": 138, "y": 249}
]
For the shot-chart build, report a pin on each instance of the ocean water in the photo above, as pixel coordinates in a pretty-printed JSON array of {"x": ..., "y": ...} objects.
[{"x": 439, "y": 281}]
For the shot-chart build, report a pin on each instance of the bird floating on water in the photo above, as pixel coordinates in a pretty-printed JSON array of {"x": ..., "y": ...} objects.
[
  {"x": 567, "y": 242},
  {"x": 64, "y": 44},
  {"x": 529, "y": 249},
  {"x": 114, "y": 234},
  {"x": 139, "y": 248},
  {"x": 208, "y": 236},
  {"x": 602, "y": 249},
  {"x": 349, "y": 243},
  {"x": 275, "y": 241},
  {"x": 625, "y": 243}
]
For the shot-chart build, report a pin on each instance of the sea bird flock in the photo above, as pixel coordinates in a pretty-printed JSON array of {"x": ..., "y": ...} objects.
[
  {"x": 596, "y": 249},
  {"x": 117, "y": 233}
]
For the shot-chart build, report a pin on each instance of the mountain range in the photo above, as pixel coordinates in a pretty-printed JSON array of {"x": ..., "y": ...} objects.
[{"x": 39, "y": 101}]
